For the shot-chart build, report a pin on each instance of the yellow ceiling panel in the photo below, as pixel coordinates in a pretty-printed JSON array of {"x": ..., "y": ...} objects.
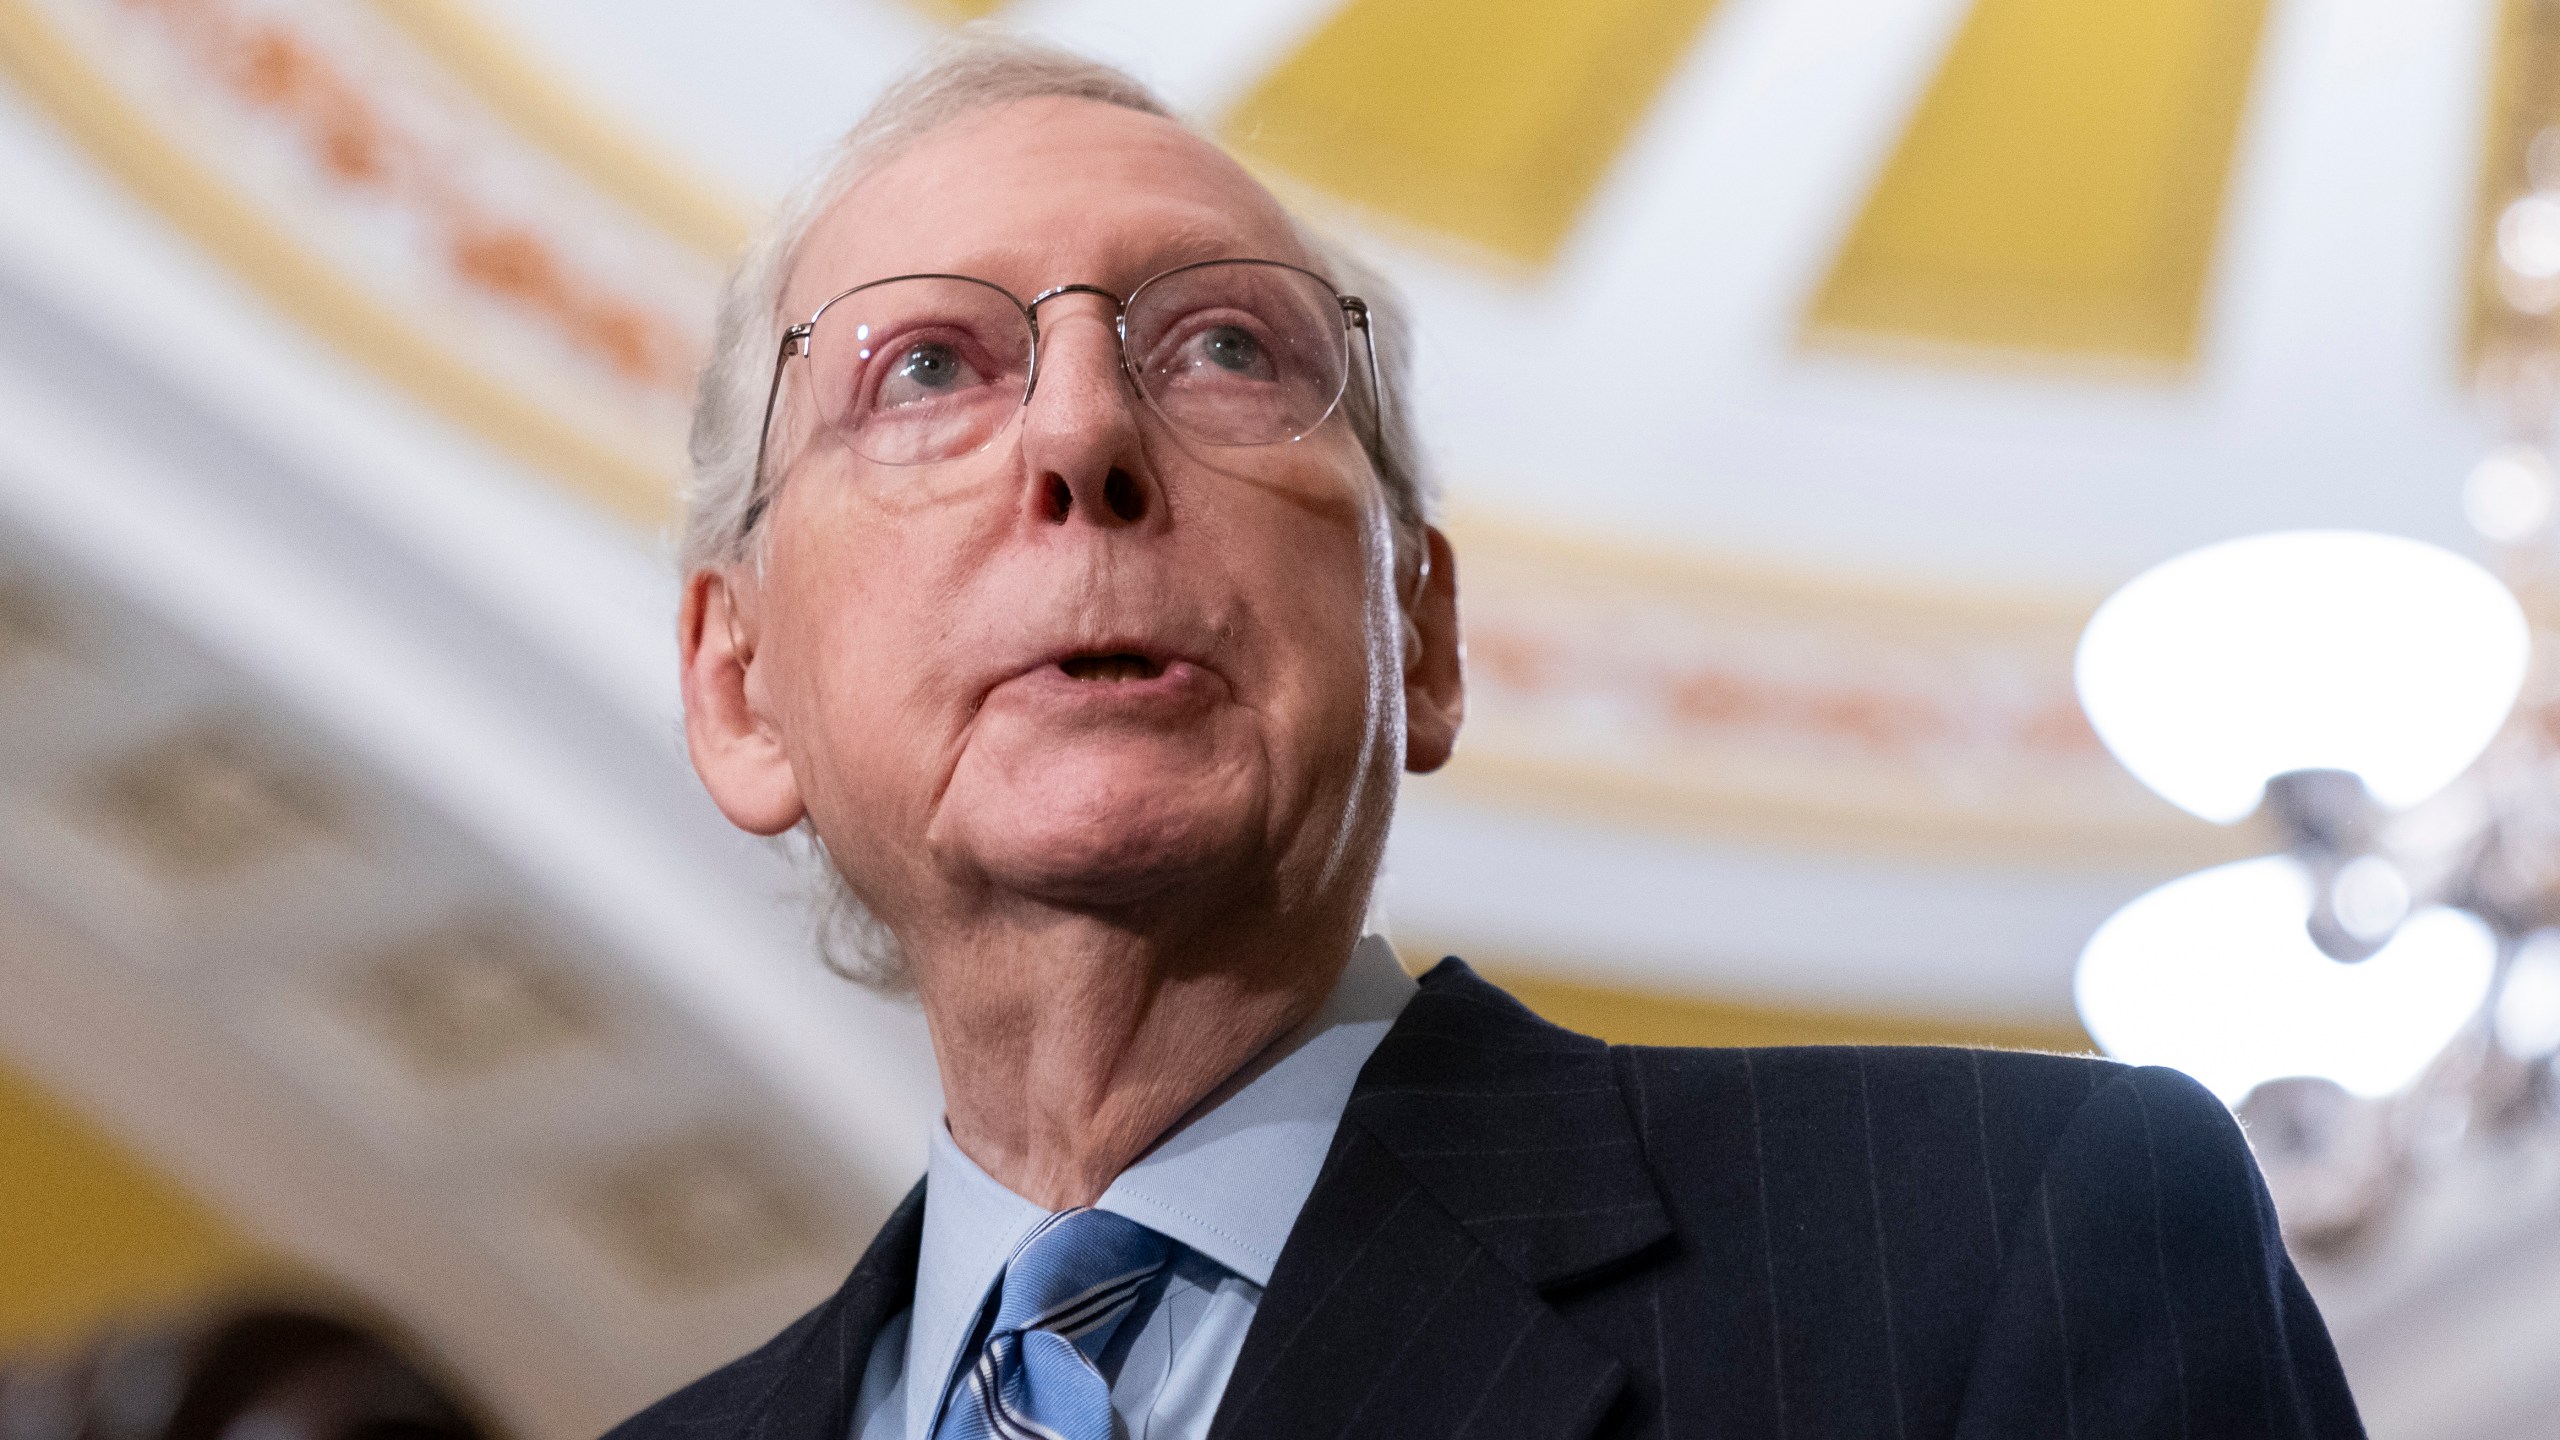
[
  {"x": 1643, "y": 1016},
  {"x": 2061, "y": 186},
  {"x": 2515, "y": 316},
  {"x": 90, "y": 1234},
  {"x": 1488, "y": 120}
]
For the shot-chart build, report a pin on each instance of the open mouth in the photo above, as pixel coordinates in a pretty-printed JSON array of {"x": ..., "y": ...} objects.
[{"x": 1099, "y": 669}]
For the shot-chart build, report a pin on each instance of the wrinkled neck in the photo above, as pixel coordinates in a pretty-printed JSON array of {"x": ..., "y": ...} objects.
[{"x": 1067, "y": 1053}]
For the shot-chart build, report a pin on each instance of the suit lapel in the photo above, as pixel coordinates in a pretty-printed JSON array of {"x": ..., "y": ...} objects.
[
  {"x": 817, "y": 1383},
  {"x": 1485, "y": 1161}
]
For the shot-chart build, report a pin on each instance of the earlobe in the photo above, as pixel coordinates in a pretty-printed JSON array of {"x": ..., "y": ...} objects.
[
  {"x": 1435, "y": 690},
  {"x": 734, "y": 742}
]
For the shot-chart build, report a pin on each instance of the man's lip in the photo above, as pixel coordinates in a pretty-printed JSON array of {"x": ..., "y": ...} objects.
[
  {"x": 1112, "y": 666},
  {"x": 1158, "y": 659},
  {"x": 1172, "y": 677}
]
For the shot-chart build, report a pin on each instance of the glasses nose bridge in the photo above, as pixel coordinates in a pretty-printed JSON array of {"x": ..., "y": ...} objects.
[{"x": 1118, "y": 321}]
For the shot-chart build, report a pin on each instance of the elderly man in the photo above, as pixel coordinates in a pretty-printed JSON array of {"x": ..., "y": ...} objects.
[{"x": 1058, "y": 561}]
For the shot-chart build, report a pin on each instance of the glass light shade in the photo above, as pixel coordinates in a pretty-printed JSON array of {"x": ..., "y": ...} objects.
[
  {"x": 2527, "y": 1018},
  {"x": 2214, "y": 974},
  {"x": 2509, "y": 495},
  {"x": 2310, "y": 649}
]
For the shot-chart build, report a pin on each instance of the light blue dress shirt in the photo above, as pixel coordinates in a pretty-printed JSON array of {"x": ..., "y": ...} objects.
[{"x": 1226, "y": 1187}]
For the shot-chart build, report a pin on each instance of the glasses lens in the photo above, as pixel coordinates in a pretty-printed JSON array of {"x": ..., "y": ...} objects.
[
  {"x": 1239, "y": 352},
  {"x": 911, "y": 371}
]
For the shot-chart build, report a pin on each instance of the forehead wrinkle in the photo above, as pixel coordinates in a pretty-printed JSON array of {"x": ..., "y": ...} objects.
[
  {"x": 1117, "y": 245},
  {"x": 1130, "y": 258},
  {"x": 1027, "y": 267}
]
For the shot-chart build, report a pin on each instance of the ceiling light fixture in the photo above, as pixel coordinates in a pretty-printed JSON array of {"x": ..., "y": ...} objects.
[{"x": 2331, "y": 685}]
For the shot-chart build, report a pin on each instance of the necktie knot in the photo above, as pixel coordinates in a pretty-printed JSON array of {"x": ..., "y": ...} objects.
[
  {"x": 1062, "y": 1298},
  {"x": 1077, "y": 1275}
]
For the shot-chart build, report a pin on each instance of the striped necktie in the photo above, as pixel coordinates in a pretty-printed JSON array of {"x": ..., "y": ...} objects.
[{"x": 1062, "y": 1297}]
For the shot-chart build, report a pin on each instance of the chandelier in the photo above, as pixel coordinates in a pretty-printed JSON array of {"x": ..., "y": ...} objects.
[
  {"x": 2353, "y": 695},
  {"x": 2387, "y": 979}
]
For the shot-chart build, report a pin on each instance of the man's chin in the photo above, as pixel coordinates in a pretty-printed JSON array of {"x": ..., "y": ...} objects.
[
  {"x": 1132, "y": 872},
  {"x": 1108, "y": 856}
]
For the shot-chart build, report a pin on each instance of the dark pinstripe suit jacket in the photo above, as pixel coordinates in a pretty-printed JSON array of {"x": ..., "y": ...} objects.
[{"x": 1524, "y": 1232}]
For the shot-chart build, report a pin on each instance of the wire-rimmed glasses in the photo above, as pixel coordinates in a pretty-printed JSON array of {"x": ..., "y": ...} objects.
[{"x": 916, "y": 369}]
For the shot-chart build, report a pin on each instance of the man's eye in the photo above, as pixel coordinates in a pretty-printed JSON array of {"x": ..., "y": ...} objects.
[
  {"x": 1226, "y": 350},
  {"x": 1230, "y": 348},
  {"x": 931, "y": 369},
  {"x": 926, "y": 372}
]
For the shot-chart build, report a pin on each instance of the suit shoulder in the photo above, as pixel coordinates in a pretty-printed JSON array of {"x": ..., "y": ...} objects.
[
  {"x": 726, "y": 1401},
  {"x": 2162, "y": 1124},
  {"x": 1982, "y": 1071},
  {"x": 2005, "y": 1110}
]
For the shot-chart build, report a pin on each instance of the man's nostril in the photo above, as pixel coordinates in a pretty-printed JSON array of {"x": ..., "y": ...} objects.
[
  {"x": 1062, "y": 501},
  {"x": 1126, "y": 497}
]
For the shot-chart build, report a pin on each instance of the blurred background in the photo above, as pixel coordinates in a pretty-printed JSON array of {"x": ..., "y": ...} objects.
[{"x": 392, "y": 1036}]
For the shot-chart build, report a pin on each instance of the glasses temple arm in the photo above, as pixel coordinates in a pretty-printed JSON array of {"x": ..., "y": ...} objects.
[
  {"x": 1358, "y": 310},
  {"x": 795, "y": 341}
]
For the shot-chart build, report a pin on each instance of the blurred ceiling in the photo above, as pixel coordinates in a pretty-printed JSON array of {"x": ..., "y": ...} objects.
[{"x": 1801, "y": 372}]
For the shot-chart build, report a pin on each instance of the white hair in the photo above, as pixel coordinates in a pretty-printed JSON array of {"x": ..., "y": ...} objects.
[{"x": 983, "y": 68}]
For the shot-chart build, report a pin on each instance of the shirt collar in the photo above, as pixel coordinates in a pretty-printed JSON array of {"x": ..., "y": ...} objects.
[
  {"x": 1228, "y": 1182},
  {"x": 972, "y": 1226}
]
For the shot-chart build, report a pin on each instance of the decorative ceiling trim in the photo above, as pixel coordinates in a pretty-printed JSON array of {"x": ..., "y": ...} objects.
[
  {"x": 1704, "y": 578},
  {"x": 51, "y": 71},
  {"x": 1890, "y": 827},
  {"x": 2061, "y": 187},
  {"x": 1489, "y": 120},
  {"x": 529, "y": 97},
  {"x": 1836, "y": 715}
]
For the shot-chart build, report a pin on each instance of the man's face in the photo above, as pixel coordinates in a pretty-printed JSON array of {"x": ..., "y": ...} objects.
[{"x": 1094, "y": 663}]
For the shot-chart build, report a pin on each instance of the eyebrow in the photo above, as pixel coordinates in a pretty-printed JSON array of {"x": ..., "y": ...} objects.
[{"x": 1198, "y": 240}]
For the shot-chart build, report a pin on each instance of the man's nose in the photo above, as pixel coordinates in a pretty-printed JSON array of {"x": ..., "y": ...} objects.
[{"x": 1083, "y": 454}]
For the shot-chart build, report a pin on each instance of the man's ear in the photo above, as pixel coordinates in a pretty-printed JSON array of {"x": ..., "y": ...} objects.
[
  {"x": 1435, "y": 682},
  {"x": 728, "y": 728}
]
